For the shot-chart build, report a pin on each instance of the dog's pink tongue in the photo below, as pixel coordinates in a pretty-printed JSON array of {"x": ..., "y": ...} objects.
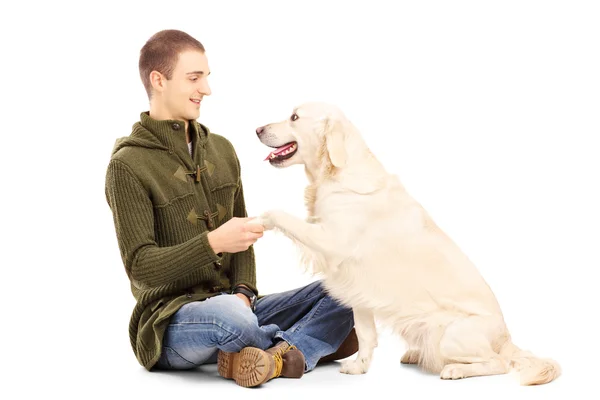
[{"x": 278, "y": 151}]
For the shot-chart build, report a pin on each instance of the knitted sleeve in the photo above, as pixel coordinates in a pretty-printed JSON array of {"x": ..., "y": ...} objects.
[{"x": 147, "y": 264}]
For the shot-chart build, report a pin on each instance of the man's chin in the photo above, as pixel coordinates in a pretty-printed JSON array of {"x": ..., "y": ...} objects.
[{"x": 192, "y": 113}]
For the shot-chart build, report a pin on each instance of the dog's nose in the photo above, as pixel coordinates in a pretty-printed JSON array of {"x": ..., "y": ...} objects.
[{"x": 260, "y": 130}]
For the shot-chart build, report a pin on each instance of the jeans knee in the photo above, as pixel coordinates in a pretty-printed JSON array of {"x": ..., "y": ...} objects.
[
  {"x": 350, "y": 315},
  {"x": 242, "y": 322},
  {"x": 235, "y": 321},
  {"x": 316, "y": 288},
  {"x": 343, "y": 311}
]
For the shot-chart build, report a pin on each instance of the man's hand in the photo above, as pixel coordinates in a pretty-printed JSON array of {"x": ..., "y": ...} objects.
[
  {"x": 243, "y": 297},
  {"x": 236, "y": 235}
]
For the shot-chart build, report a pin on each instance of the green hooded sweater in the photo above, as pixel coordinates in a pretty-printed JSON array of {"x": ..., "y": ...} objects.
[{"x": 164, "y": 202}]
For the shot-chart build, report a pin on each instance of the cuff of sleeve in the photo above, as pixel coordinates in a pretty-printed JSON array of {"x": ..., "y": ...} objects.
[{"x": 207, "y": 252}]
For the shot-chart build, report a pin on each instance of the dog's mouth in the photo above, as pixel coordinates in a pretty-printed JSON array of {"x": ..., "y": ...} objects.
[{"x": 282, "y": 153}]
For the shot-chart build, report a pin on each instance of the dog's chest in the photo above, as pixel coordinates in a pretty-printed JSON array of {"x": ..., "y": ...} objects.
[
  {"x": 356, "y": 287},
  {"x": 310, "y": 197}
]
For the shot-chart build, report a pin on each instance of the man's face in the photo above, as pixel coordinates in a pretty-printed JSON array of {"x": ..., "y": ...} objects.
[{"x": 182, "y": 94}]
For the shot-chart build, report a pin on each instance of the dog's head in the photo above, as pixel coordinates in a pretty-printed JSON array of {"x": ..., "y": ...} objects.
[
  {"x": 320, "y": 136},
  {"x": 314, "y": 134}
]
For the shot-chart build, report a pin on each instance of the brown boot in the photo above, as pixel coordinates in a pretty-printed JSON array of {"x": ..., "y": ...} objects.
[
  {"x": 253, "y": 366},
  {"x": 348, "y": 347}
]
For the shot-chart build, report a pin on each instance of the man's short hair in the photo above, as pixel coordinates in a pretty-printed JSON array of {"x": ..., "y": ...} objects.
[{"x": 161, "y": 52}]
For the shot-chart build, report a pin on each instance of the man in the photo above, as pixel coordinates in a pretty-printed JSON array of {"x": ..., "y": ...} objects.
[{"x": 177, "y": 200}]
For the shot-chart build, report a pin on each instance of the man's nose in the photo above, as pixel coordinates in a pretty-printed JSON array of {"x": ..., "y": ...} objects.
[{"x": 205, "y": 89}]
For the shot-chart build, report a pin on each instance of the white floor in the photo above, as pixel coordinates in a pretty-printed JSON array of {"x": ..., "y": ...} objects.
[{"x": 386, "y": 379}]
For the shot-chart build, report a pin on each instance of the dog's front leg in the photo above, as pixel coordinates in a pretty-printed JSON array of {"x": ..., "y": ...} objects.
[
  {"x": 364, "y": 323},
  {"x": 311, "y": 235}
]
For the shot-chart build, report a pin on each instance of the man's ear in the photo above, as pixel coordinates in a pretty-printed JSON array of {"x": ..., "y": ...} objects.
[
  {"x": 335, "y": 142},
  {"x": 157, "y": 80}
]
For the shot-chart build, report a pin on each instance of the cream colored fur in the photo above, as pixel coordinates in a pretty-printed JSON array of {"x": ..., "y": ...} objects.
[{"x": 380, "y": 253}]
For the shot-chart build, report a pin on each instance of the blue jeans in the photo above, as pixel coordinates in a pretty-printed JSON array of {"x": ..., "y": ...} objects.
[{"x": 307, "y": 318}]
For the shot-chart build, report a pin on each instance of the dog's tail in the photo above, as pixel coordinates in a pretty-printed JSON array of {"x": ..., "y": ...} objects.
[{"x": 532, "y": 370}]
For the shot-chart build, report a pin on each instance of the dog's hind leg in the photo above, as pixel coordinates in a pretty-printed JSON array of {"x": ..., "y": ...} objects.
[
  {"x": 467, "y": 348},
  {"x": 495, "y": 366},
  {"x": 364, "y": 323},
  {"x": 411, "y": 356}
]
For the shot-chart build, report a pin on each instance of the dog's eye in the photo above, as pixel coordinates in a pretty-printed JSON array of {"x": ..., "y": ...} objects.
[{"x": 294, "y": 117}]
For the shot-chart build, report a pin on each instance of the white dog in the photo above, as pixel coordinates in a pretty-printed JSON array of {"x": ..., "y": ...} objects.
[{"x": 380, "y": 253}]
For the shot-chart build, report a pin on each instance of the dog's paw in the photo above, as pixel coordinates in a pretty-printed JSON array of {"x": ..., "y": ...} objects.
[
  {"x": 410, "y": 357},
  {"x": 272, "y": 219},
  {"x": 452, "y": 371},
  {"x": 355, "y": 367},
  {"x": 265, "y": 220}
]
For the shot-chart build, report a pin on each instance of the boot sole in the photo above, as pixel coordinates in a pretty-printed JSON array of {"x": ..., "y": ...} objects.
[{"x": 248, "y": 368}]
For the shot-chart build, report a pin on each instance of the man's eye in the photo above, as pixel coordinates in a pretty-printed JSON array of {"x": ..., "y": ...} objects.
[
  {"x": 294, "y": 117},
  {"x": 194, "y": 79}
]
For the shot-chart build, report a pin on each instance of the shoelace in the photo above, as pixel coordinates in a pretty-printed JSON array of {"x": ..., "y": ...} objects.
[{"x": 278, "y": 357}]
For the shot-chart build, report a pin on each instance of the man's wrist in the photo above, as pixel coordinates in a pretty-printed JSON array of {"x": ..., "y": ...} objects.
[{"x": 214, "y": 242}]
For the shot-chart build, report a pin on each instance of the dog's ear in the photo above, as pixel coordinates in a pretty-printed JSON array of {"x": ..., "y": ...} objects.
[{"x": 335, "y": 142}]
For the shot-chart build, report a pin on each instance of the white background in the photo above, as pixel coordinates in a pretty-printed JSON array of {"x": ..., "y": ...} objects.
[{"x": 487, "y": 111}]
